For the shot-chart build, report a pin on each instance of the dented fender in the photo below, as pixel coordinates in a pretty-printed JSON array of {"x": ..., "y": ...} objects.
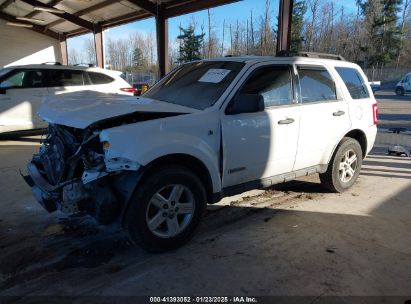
[{"x": 135, "y": 143}]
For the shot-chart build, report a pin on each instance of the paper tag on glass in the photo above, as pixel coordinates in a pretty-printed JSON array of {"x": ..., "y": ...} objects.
[{"x": 214, "y": 75}]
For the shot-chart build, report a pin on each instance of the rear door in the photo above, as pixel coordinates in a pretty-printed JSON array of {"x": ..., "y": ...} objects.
[
  {"x": 61, "y": 81},
  {"x": 23, "y": 91},
  {"x": 324, "y": 116}
]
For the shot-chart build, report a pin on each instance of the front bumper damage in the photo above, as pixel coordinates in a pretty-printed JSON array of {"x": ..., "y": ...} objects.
[
  {"x": 73, "y": 177},
  {"x": 41, "y": 189},
  {"x": 96, "y": 198}
]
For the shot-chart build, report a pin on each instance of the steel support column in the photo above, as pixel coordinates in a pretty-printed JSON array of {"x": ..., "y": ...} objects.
[
  {"x": 285, "y": 15},
  {"x": 63, "y": 48},
  {"x": 162, "y": 44},
  {"x": 99, "y": 47}
]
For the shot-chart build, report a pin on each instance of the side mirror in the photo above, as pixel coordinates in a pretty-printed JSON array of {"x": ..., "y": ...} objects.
[
  {"x": 246, "y": 103},
  {"x": 3, "y": 91}
]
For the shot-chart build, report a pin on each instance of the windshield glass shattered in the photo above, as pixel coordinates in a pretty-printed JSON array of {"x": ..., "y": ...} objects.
[{"x": 196, "y": 85}]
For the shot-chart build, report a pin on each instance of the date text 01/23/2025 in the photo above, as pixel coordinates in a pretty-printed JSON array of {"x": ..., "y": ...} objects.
[{"x": 239, "y": 299}]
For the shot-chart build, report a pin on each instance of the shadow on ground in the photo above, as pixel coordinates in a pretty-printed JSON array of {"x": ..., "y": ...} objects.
[{"x": 294, "y": 239}]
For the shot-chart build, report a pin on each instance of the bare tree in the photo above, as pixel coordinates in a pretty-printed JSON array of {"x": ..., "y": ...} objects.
[
  {"x": 222, "y": 40},
  {"x": 74, "y": 57},
  {"x": 313, "y": 6},
  {"x": 90, "y": 50},
  {"x": 406, "y": 13}
]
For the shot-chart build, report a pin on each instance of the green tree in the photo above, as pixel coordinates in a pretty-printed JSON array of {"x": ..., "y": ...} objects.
[
  {"x": 383, "y": 33},
  {"x": 299, "y": 10},
  {"x": 389, "y": 34},
  {"x": 190, "y": 45},
  {"x": 138, "y": 59}
]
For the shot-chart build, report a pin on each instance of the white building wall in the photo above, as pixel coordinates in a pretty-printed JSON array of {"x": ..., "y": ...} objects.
[{"x": 24, "y": 46}]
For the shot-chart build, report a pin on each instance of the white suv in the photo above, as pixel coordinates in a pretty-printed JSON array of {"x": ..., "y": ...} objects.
[
  {"x": 22, "y": 89},
  {"x": 209, "y": 129}
]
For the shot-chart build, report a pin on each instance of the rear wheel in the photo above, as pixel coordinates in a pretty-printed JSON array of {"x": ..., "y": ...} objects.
[
  {"x": 165, "y": 209},
  {"x": 345, "y": 165}
]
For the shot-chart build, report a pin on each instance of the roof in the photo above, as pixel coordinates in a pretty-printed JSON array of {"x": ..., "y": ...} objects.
[
  {"x": 257, "y": 59},
  {"x": 72, "y": 18},
  {"x": 52, "y": 67},
  {"x": 65, "y": 67}
]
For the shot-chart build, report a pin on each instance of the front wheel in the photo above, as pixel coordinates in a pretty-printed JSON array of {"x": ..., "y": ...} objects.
[
  {"x": 399, "y": 91},
  {"x": 344, "y": 167},
  {"x": 165, "y": 209}
]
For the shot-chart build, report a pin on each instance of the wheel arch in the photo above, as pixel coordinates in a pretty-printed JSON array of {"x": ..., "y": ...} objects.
[
  {"x": 356, "y": 134},
  {"x": 187, "y": 161},
  {"x": 359, "y": 136}
]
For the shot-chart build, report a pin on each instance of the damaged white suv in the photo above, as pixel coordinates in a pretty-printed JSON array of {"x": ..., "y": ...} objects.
[{"x": 209, "y": 129}]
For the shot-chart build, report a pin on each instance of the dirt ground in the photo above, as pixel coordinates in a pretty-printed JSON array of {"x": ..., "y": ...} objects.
[{"x": 294, "y": 239}]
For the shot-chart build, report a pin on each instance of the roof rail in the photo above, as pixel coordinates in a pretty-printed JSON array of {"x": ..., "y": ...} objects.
[
  {"x": 52, "y": 63},
  {"x": 90, "y": 65},
  {"x": 310, "y": 55}
]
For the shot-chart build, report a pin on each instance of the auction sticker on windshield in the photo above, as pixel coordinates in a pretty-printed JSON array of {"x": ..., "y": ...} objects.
[{"x": 214, "y": 75}]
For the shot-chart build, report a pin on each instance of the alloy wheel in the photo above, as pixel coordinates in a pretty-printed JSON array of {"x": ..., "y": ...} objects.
[
  {"x": 170, "y": 210},
  {"x": 348, "y": 166}
]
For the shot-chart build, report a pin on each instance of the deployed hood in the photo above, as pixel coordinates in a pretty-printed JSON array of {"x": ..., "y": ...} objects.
[{"x": 83, "y": 109}]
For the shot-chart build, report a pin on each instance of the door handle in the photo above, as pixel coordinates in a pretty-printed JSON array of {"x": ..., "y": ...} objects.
[
  {"x": 286, "y": 121},
  {"x": 339, "y": 113}
]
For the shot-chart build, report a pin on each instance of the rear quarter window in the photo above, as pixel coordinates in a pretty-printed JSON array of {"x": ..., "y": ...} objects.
[
  {"x": 354, "y": 82},
  {"x": 99, "y": 78}
]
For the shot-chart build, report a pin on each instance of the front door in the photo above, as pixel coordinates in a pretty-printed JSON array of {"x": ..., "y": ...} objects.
[
  {"x": 262, "y": 144},
  {"x": 21, "y": 98},
  {"x": 407, "y": 84}
]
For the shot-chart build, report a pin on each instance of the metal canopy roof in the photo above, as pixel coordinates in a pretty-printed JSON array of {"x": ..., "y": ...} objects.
[{"x": 78, "y": 17}]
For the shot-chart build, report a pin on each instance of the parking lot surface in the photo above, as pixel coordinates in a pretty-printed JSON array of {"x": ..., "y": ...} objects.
[{"x": 293, "y": 239}]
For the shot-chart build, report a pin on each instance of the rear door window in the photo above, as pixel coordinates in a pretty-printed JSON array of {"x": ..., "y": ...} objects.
[
  {"x": 66, "y": 78},
  {"x": 354, "y": 82},
  {"x": 316, "y": 84},
  {"x": 99, "y": 78}
]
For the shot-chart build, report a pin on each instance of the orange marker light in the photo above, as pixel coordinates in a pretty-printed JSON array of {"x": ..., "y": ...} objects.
[{"x": 106, "y": 145}]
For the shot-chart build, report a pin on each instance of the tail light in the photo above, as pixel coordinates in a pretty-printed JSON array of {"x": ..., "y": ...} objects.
[
  {"x": 128, "y": 90},
  {"x": 375, "y": 113}
]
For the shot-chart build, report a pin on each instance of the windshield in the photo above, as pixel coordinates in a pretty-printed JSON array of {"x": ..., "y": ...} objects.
[{"x": 196, "y": 85}]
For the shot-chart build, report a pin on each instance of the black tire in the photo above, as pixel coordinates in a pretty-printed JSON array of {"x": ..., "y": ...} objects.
[
  {"x": 399, "y": 91},
  {"x": 136, "y": 219},
  {"x": 332, "y": 178}
]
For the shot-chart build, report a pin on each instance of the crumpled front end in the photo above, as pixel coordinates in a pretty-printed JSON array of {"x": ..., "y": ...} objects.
[{"x": 70, "y": 174}]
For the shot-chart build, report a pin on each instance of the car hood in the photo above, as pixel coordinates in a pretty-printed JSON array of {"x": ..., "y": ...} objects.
[{"x": 80, "y": 110}]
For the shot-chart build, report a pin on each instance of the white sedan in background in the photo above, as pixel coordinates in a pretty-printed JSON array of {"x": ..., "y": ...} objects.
[{"x": 22, "y": 89}]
